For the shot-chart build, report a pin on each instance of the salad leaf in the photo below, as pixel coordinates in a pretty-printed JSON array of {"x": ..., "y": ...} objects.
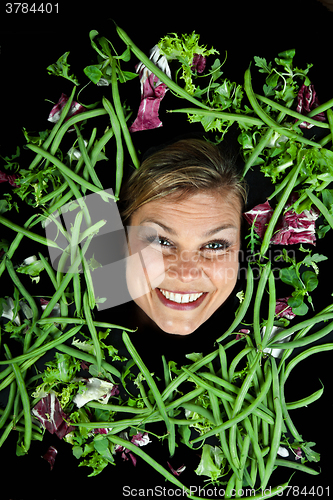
[{"x": 61, "y": 68}]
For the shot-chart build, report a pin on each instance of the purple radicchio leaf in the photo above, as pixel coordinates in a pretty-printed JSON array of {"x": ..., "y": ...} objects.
[
  {"x": 283, "y": 310},
  {"x": 138, "y": 439},
  {"x": 8, "y": 178},
  {"x": 260, "y": 216},
  {"x": 176, "y": 472},
  {"x": 307, "y": 100},
  {"x": 291, "y": 228},
  {"x": 199, "y": 63},
  {"x": 52, "y": 417},
  {"x": 50, "y": 456},
  {"x": 151, "y": 96},
  {"x": 152, "y": 93},
  {"x": 56, "y": 111}
]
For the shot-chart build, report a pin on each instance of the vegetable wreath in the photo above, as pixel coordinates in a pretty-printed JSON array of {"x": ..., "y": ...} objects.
[{"x": 239, "y": 401}]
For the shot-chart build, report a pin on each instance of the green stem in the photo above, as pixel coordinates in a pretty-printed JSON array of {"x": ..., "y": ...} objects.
[
  {"x": 267, "y": 119},
  {"x": 121, "y": 116},
  {"x": 158, "y": 72},
  {"x": 29, "y": 234},
  {"x": 291, "y": 112},
  {"x": 279, "y": 208},
  {"x": 232, "y": 117},
  {"x": 67, "y": 171}
]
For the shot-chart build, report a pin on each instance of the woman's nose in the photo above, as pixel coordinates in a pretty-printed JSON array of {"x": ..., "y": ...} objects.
[{"x": 185, "y": 268}]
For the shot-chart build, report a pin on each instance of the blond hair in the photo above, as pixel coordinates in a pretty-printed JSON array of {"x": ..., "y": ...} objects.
[{"x": 182, "y": 168}]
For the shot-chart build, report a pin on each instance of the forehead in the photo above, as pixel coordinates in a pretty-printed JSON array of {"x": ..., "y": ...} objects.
[{"x": 201, "y": 208}]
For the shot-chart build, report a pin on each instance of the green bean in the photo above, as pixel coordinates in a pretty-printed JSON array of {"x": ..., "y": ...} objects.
[
  {"x": 93, "y": 113},
  {"x": 259, "y": 462},
  {"x": 244, "y": 305},
  {"x": 64, "y": 283},
  {"x": 244, "y": 413},
  {"x": 297, "y": 359},
  {"x": 55, "y": 129},
  {"x": 15, "y": 243},
  {"x": 11, "y": 376},
  {"x": 246, "y": 384},
  {"x": 90, "y": 291},
  {"x": 286, "y": 417},
  {"x": 48, "y": 269},
  {"x": 29, "y": 234},
  {"x": 232, "y": 117},
  {"x": 291, "y": 112},
  {"x": 183, "y": 376},
  {"x": 157, "y": 71},
  {"x": 117, "y": 408},
  {"x": 285, "y": 182},
  {"x": 229, "y": 453},
  {"x": 41, "y": 350},
  {"x": 320, "y": 205},
  {"x": 120, "y": 115},
  {"x": 330, "y": 121},
  {"x": 25, "y": 401},
  {"x": 22, "y": 289},
  {"x": 242, "y": 462},
  {"x": 81, "y": 321},
  {"x": 271, "y": 308},
  {"x": 76, "y": 353},
  {"x": 68, "y": 172},
  {"x": 10, "y": 402},
  {"x": 53, "y": 194},
  {"x": 262, "y": 412},
  {"x": 92, "y": 230},
  {"x": 267, "y": 119},
  {"x": 76, "y": 277},
  {"x": 265, "y": 272},
  {"x": 222, "y": 436},
  {"x": 305, "y": 341},
  {"x": 60, "y": 290},
  {"x": 319, "y": 109},
  {"x": 100, "y": 145},
  {"x": 230, "y": 488},
  {"x": 305, "y": 401},
  {"x": 86, "y": 159},
  {"x": 43, "y": 336},
  {"x": 257, "y": 150},
  {"x": 172, "y": 432},
  {"x": 120, "y": 152},
  {"x": 277, "y": 431},
  {"x": 92, "y": 329},
  {"x": 150, "y": 381},
  {"x": 204, "y": 412},
  {"x": 138, "y": 451},
  {"x": 297, "y": 466},
  {"x": 236, "y": 360},
  {"x": 278, "y": 209},
  {"x": 322, "y": 316}
]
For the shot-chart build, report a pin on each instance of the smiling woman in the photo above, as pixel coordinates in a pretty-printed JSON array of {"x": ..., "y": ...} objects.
[{"x": 193, "y": 198}]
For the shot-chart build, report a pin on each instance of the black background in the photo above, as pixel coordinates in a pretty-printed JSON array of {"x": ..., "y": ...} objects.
[{"x": 29, "y": 43}]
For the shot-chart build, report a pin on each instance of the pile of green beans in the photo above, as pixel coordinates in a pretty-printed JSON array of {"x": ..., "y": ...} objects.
[{"x": 247, "y": 413}]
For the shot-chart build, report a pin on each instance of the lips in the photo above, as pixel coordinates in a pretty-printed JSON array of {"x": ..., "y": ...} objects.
[{"x": 180, "y": 300}]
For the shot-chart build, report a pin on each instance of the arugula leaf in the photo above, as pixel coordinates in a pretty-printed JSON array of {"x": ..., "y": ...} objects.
[
  {"x": 262, "y": 64},
  {"x": 61, "y": 68}
]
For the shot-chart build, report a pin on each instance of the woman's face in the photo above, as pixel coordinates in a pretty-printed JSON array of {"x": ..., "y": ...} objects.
[{"x": 191, "y": 267}]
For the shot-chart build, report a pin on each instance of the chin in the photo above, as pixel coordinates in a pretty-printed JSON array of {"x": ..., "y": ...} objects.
[{"x": 177, "y": 329}]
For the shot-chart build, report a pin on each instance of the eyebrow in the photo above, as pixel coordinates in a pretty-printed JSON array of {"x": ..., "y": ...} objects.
[{"x": 173, "y": 232}]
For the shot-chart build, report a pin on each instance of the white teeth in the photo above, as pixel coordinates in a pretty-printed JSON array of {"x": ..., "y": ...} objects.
[{"x": 181, "y": 298}]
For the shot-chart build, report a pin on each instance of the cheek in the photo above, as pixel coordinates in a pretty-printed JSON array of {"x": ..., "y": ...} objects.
[{"x": 223, "y": 272}]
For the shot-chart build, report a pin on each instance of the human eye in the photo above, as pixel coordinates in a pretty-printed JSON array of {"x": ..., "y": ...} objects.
[
  {"x": 160, "y": 241},
  {"x": 217, "y": 246}
]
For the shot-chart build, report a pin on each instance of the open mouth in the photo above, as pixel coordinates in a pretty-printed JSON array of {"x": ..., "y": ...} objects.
[{"x": 181, "y": 301}]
